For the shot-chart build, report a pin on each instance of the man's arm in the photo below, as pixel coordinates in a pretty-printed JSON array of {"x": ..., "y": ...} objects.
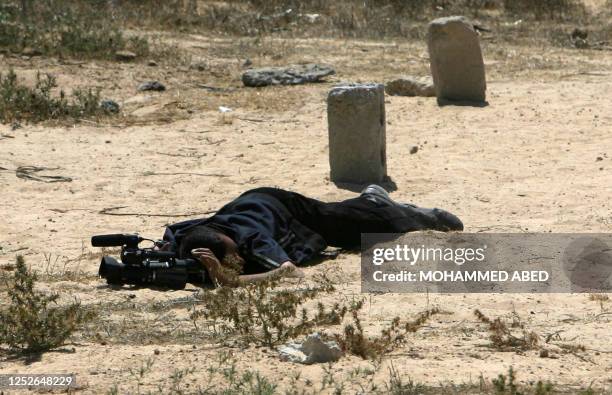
[
  {"x": 287, "y": 269},
  {"x": 225, "y": 277}
]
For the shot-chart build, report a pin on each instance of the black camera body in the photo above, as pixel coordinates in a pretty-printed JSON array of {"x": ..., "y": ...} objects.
[{"x": 145, "y": 266}]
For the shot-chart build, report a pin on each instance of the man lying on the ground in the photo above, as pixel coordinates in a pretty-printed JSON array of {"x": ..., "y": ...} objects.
[{"x": 266, "y": 232}]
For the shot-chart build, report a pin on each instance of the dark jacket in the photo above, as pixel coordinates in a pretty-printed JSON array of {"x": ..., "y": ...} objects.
[{"x": 264, "y": 230}]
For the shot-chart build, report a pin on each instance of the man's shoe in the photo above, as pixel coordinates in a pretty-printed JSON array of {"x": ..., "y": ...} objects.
[
  {"x": 444, "y": 221},
  {"x": 378, "y": 194},
  {"x": 374, "y": 189},
  {"x": 447, "y": 221},
  {"x": 381, "y": 194}
]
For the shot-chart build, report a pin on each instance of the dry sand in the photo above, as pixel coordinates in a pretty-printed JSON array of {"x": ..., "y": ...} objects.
[{"x": 537, "y": 159}]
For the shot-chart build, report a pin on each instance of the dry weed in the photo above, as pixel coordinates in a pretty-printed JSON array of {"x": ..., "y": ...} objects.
[
  {"x": 354, "y": 340},
  {"x": 502, "y": 337}
]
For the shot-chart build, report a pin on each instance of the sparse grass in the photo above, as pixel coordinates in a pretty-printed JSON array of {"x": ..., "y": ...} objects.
[
  {"x": 502, "y": 337},
  {"x": 124, "y": 320},
  {"x": 19, "y": 102},
  {"x": 269, "y": 47},
  {"x": 395, "y": 385},
  {"x": 64, "y": 28},
  {"x": 62, "y": 268},
  {"x": 508, "y": 385},
  {"x": 348, "y": 18},
  {"x": 224, "y": 376},
  {"x": 602, "y": 299},
  {"x": 545, "y": 9},
  {"x": 248, "y": 382},
  {"x": 30, "y": 323},
  {"x": 94, "y": 28},
  {"x": 128, "y": 322}
]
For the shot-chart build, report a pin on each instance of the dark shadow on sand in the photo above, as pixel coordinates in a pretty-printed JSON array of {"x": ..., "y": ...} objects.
[
  {"x": 463, "y": 103},
  {"x": 135, "y": 287},
  {"x": 29, "y": 358},
  {"x": 329, "y": 254}
]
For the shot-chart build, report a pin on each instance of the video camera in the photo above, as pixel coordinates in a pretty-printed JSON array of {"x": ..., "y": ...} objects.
[{"x": 145, "y": 266}]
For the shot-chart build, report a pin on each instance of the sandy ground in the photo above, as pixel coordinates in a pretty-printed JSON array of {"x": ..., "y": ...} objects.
[{"x": 537, "y": 159}]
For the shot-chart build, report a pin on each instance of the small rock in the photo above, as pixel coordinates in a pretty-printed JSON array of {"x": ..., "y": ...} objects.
[
  {"x": 125, "y": 56},
  {"x": 110, "y": 106},
  {"x": 581, "y": 43},
  {"x": 151, "y": 86},
  {"x": 247, "y": 63},
  {"x": 411, "y": 86},
  {"x": 199, "y": 65},
  {"x": 27, "y": 51},
  {"x": 579, "y": 38},
  {"x": 291, "y": 75},
  {"x": 414, "y": 150},
  {"x": 544, "y": 353},
  {"x": 312, "y": 350},
  {"x": 579, "y": 33},
  {"x": 156, "y": 352},
  {"x": 599, "y": 158},
  {"x": 152, "y": 63}
]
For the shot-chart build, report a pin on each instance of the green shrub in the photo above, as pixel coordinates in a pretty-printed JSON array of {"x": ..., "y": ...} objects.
[
  {"x": 20, "y": 102},
  {"x": 30, "y": 323},
  {"x": 264, "y": 314}
]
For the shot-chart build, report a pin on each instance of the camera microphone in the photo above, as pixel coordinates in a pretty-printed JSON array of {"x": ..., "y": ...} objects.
[{"x": 116, "y": 240}]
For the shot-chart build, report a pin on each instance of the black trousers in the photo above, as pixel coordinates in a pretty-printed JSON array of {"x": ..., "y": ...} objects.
[{"x": 342, "y": 223}]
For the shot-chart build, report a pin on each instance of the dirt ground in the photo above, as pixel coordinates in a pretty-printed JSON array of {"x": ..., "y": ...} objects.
[{"x": 538, "y": 158}]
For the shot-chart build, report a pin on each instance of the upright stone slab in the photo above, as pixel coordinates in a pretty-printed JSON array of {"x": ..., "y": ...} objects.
[
  {"x": 457, "y": 67},
  {"x": 357, "y": 139}
]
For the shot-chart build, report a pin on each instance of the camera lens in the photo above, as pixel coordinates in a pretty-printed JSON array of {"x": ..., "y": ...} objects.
[{"x": 111, "y": 270}]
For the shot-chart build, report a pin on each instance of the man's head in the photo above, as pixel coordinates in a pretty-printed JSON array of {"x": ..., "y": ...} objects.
[{"x": 224, "y": 248}]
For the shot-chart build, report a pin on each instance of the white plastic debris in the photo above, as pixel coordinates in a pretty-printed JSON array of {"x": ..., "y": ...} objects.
[
  {"x": 312, "y": 350},
  {"x": 312, "y": 18},
  {"x": 225, "y": 109}
]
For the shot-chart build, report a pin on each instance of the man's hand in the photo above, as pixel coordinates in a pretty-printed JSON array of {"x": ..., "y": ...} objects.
[
  {"x": 288, "y": 269},
  {"x": 216, "y": 272},
  {"x": 218, "y": 275},
  {"x": 208, "y": 259}
]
